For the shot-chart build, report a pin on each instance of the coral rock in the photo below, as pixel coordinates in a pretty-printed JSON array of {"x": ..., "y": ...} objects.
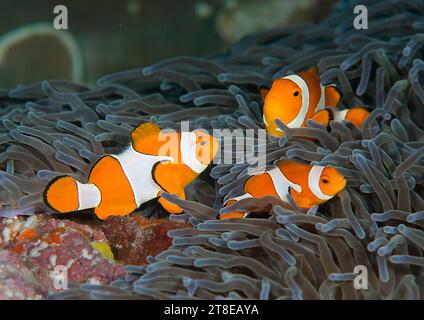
[
  {"x": 133, "y": 239},
  {"x": 59, "y": 248},
  {"x": 17, "y": 281}
]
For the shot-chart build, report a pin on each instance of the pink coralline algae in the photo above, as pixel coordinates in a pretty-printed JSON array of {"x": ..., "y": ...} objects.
[
  {"x": 17, "y": 281},
  {"x": 51, "y": 251}
]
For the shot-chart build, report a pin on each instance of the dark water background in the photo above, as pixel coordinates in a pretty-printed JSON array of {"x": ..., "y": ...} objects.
[{"x": 112, "y": 35}]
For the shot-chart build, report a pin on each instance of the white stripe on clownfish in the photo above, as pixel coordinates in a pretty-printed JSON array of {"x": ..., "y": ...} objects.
[
  {"x": 88, "y": 195},
  {"x": 340, "y": 115},
  {"x": 300, "y": 118},
  {"x": 138, "y": 167},
  {"x": 282, "y": 185},
  {"x": 321, "y": 102},
  {"x": 313, "y": 182}
]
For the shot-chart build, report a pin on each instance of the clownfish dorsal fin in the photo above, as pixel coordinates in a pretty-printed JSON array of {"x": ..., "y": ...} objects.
[
  {"x": 292, "y": 170},
  {"x": 264, "y": 91},
  {"x": 332, "y": 96},
  {"x": 288, "y": 164},
  {"x": 314, "y": 70},
  {"x": 145, "y": 138},
  {"x": 311, "y": 77}
]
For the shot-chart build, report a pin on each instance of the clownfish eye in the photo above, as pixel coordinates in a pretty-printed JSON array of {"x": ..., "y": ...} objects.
[
  {"x": 202, "y": 143},
  {"x": 296, "y": 93},
  {"x": 325, "y": 181}
]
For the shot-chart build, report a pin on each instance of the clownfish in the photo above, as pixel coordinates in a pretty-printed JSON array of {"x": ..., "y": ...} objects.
[
  {"x": 154, "y": 162},
  {"x": 294, "y": 99},
  {"x": 309, "y": 185}
]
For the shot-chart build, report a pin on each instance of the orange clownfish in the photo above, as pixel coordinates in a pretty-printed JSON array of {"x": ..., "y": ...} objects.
[
  {"x": 154, "y": 163},
  {"x": 309, "y": 185},
  {"x": 296, "y": 98}
]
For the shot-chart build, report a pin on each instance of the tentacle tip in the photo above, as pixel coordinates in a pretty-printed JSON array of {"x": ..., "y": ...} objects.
[{"x": 147, "y": 71}]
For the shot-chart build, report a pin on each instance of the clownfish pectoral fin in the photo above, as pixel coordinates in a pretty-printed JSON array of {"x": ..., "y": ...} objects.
[
  {"x": 171, "y": 207},
  {"x": 323, "y": 117},
  {"x": 145, "y": 138},
  {"x": 332, "y": 96},
  {"x": 61, "y": 194},
  {"x": 264, "y": 91},
  {"x": 172, "y": 177}
]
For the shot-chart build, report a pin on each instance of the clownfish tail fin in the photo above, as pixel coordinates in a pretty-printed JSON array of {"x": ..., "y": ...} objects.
[
  {"x": 61, "y": 194},
  {"x": 65, "y": 194},
  {"x": 357, "y": 115}
]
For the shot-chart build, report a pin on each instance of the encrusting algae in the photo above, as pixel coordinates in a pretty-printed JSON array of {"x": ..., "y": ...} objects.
[{"x": 104, "y": 249}]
